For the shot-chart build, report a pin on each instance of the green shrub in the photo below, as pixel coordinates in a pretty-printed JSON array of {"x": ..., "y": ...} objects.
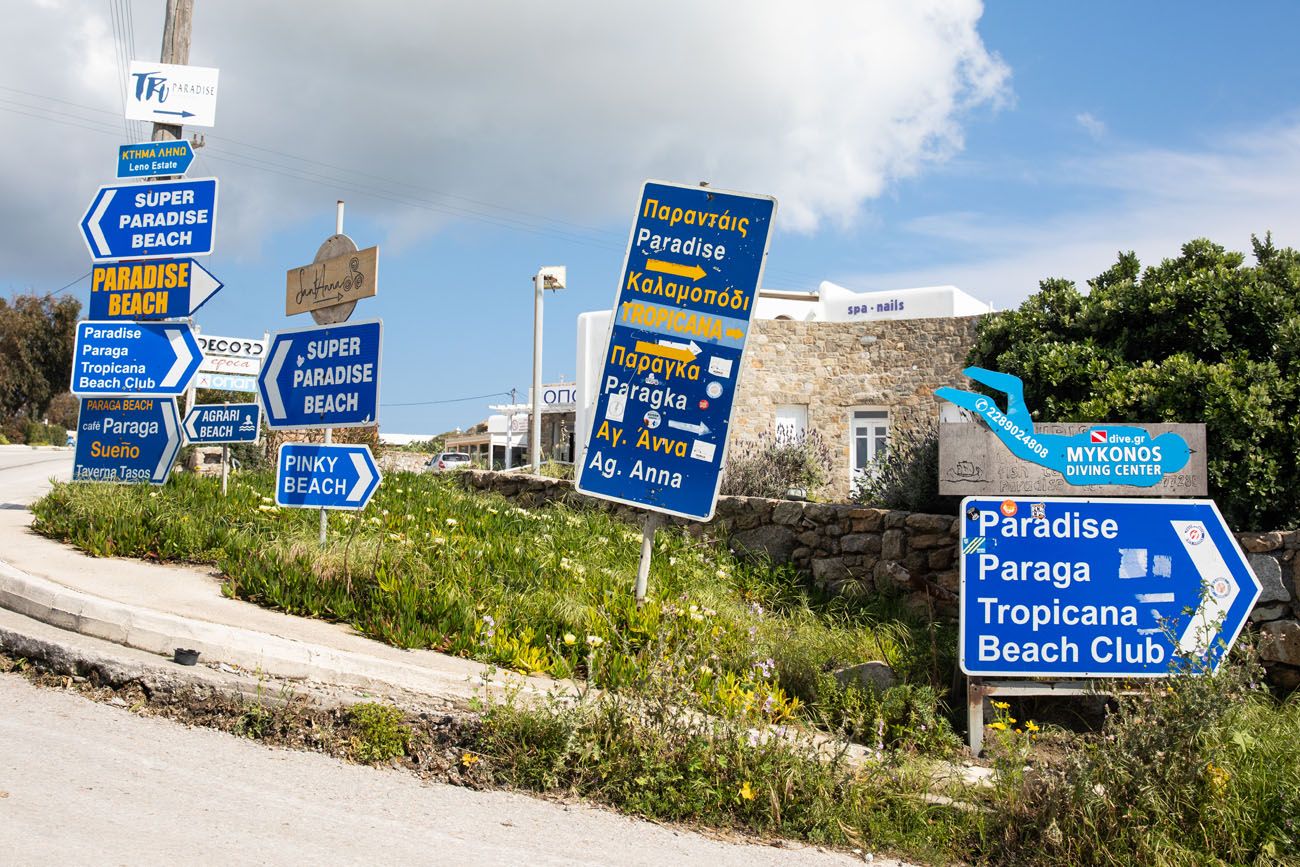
[
  {"x": 378, "y": 733},
  {"x": 906, "y": 477},
  {"x": 776, "y": 467}
]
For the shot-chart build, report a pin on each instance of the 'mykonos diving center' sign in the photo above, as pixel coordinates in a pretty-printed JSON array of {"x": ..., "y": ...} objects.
[
  {"x": 1098, "y": 588},
  {"x": 1100, "y": 455}
]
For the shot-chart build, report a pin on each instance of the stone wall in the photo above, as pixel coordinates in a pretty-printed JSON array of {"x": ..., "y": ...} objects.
[
  {"x": 828, "y": 368},
  {"x": 853, "y": 551}
]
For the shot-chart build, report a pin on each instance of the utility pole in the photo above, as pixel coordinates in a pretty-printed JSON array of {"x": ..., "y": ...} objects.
[{"x": 175, "y": 49}]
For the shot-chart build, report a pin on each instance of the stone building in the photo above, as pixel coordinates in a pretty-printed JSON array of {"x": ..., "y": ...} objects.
[{"x": 857, "y": 368}]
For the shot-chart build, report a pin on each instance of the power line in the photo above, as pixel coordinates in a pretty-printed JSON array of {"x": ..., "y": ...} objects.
[
  {"x": 67, "y": 286},
  {"x": 451, "y": 400}
]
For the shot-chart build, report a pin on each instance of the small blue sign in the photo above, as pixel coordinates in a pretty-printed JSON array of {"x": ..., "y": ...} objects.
[
  {"x": 154, "y": 359},
  {"x": 152, "y": 289},
  {"x": 325, "y": 476},
  {"x": 1067, "y": 587},
  {"x": 154, "y": 159},
  {"x": 1101, "y": 455},
  {"x": 223, "y": 423},
  {"x": 327, "y": 376},
  {"x": 152, "y": 221},
  {"x": 658, "y": 435},
  {"x": 126, "y": 439}
]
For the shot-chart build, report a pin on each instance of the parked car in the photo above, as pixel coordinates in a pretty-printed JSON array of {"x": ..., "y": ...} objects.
[{"x": 445, "y": 461}]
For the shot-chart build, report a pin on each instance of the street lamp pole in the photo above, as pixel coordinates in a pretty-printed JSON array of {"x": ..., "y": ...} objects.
[{"x": 551, "y": 277}]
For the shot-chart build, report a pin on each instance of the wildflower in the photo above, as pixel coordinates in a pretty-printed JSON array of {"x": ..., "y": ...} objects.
[
  {"x": 999, "y": 725},
  {"x": 428, "y": 509},
  {"x": 704, "y": 669},
  {"x": 570, "y": 638},
  {"x": 767, "y": 704},
  {"x": 722, "y": 573},
  {"x": 595, "y": 640},
  {"x": 468, "y": 760},
  {"x": 746, "y": 791},
  {"x": 264, "y": 499},
  {"x": 490, "y": 626},
  {"x": 437, "y": 540},
  {"x": 452, "y": 522},
  {"x": 1031, "y": 725},
  {"x": 756, "y": 609},
  {"x": 1000, "y": 705}
]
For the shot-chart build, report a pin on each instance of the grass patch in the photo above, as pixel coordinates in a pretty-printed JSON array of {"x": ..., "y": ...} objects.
[{"x": 430, "y": 565}]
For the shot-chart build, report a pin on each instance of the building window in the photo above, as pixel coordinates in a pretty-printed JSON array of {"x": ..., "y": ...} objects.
[
  {"x": 791, "y": 422},
  {"x": 869, "y": 439}
]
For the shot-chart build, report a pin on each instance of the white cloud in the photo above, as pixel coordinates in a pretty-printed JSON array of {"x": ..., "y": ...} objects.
[
  {"x": 552, "y": 108},
  {"x": 1156, "y": 200},
  {"x": 1092, "y": 125}
]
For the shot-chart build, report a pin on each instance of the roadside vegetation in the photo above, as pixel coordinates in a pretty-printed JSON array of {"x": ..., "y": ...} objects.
[
  {"x": 545, "y": 590},
  {"x": 715, "y": 704}
]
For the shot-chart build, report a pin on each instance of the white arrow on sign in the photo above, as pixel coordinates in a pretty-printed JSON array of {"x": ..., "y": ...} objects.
[
  {"x": 698, "y": 429},
  {"x": 183, "y": 357},
  {"x": 271, "y": 376},
  {"x": 363, "y": 477},
  {"x": 190, "y": 425},
  {"x": 95, "y": 231},
  {"x": 169, "y": 452},
  {"x": 1221, "y": 588},
  {"x": 693, "y": 348},
  {"x": 202, "y": 285}
]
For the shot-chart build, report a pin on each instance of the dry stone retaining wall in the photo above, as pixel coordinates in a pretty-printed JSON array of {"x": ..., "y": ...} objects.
[{"x": 854, "y": 551}]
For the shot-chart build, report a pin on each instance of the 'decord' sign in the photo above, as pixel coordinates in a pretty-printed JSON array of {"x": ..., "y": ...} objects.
[
  {"x": 1066, "y": 587},
  {"x": 336, "y": 280},
  {"x": 658, "y": 436},
  {"x": 126, "y": 439},
  {"x": 324, "y": 376}
]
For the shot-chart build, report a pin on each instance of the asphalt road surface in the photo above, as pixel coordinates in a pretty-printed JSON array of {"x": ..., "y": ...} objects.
[{"x": 87, "y": 783}]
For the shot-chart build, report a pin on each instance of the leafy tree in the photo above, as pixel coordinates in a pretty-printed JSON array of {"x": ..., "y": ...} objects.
[
  {"x": 1200, "y": 338},
  {"x": 36, "y": 342}
]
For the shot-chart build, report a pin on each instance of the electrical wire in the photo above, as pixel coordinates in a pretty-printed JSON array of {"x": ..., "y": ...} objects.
[{"x": 450, "y": 400}]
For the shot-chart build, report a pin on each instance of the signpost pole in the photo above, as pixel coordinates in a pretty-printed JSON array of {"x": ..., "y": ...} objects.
[
  {"x": 535, "y": 431},
  {"x": 329, "y": 431},
  {"x": 652, "y": 522},
  {"x": 225, "y": 461},
  {"x": 177, "y": 24}
]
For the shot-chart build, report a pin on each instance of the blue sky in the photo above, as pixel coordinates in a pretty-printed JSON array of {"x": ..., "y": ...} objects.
[{"x": 987, "y": 148}]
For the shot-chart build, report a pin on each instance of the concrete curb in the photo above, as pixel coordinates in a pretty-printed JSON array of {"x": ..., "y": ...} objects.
[{"x": 160, "y": 633}]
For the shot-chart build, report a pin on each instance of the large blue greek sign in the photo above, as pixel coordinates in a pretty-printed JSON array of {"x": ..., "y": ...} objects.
[{"x": 658, "y": 437}]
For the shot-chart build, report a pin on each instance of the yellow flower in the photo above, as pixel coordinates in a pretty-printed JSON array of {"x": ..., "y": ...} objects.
[
  {"x": 746, "y": 791},
  {"x": 570, "y": 638},
  {"x": 1031, "y": 725},
  {"x": 1000, "y": 705},
  {"x": 1000, "y": 726},
  {"x": 469, "y": 760}
]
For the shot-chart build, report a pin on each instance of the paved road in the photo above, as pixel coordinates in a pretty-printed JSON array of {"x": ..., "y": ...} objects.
[
  {"x": 82, "y": 783},
  {"x": 25, "y": 473}
]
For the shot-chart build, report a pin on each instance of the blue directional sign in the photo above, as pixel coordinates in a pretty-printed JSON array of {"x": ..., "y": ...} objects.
[
  {"x": 223, "y": 423},
  {"x": 153, "y": 221},
  {"x": 155, "y": 359},
  {"x": 658, "y": 435},
  {"x": 327, "y": 376},
  {"x": 1068, "y": 587},
  {"x": 154, "y": 159},
  {"x": 126, "y": 439},
  {"x": 325, "y": 476},
  {"x": 152, "y": 289}
]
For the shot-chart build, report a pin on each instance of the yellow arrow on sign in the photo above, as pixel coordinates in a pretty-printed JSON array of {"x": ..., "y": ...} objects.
[
  {"x": 735, "y": 333},
  {"x": 647, "y": 348},
  {"x": 695, "y": 272}
]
